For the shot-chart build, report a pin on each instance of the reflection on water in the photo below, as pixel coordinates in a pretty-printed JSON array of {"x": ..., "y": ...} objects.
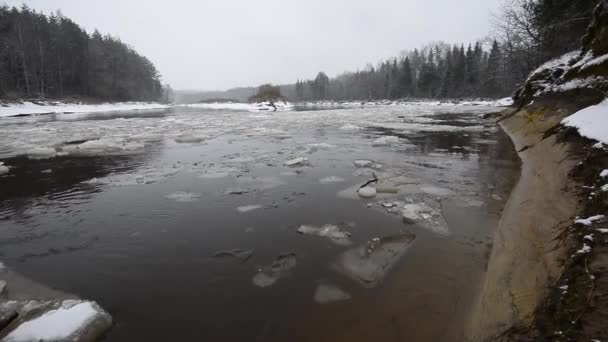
[{"x": 206, "y": 233}]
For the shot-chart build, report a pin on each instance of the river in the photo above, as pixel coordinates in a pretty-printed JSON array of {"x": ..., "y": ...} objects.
[{"x": 191, "y": 224}]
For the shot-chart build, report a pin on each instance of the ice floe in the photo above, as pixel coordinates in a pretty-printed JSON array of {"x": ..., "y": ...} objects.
[
  {"x": 350, "y": 127},
  {"x": 65, "y": 323},
  {"x": 327, "y": 180},
  {"x": 41, "y": 153},
  {"x": 367, "y": 192},
  {"x": 240, "y": 254},
  {"x": 248, "y": 208},
  {"x": 103, "y": 147},
  {"x": 296, "y": 162},
  {"x": 280, "y": 267},
  {"x": 183, "y": 196},
  {"x": 4, "y": 169},
  {"x": 370, "y": 263},
  {"x": 385, "y": 141},
  {"x": 327, "y": 293},
  {"x": 330, "y": 231},
  {"x": 423, "y": 213}
]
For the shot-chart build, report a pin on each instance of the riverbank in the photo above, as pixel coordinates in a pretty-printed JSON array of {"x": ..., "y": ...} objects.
[{"x": 537, "y": 243}]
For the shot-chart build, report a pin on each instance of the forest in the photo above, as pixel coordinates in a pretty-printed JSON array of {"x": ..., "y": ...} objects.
[
  {"x": 526, "y": 33},
  {"x": 53, "y": 57}
]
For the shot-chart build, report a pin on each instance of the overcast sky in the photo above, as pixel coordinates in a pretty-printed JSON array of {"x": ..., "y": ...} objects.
[{"x": 207, "y": 45}]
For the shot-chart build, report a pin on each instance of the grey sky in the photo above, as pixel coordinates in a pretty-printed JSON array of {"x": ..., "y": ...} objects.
[{"x": 203, "y": 44}]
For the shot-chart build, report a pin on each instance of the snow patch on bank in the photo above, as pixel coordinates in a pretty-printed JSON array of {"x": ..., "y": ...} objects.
[{"x": 591, "y": 122}]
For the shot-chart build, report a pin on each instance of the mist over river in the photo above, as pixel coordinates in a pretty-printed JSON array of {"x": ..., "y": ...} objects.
[{"x": 194, "y": 224}]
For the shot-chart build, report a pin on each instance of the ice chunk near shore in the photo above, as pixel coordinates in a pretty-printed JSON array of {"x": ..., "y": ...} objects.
[
  {"x": 385, "y": 141},
  {"x": 280, "y": 268},
  {"x": 183, "y": 196},
  {"x": 330, "y": 231},
  {"x": 248, "y": 208},
  {"x": 370, "y": 263},
  {"x": 41, "y": 153},
  {"x": 327, "y": 293},
  {"x": 591, "y": 122},
  {"x": 68, "y": 322},
  {"x": 589, "y": 221},
  {"x": 3, "y": 169},
  {"x": 603, "y": 174}
]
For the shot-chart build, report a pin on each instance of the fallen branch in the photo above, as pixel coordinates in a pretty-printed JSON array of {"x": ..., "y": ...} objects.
[{"x": 373, "y": 180}]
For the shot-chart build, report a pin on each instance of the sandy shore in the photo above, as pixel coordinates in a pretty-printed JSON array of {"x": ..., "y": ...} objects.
[{"x": 525, "y": 258}]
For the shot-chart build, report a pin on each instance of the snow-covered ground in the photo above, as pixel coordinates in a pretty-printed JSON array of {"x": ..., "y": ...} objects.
[
  {"x": 591, "y": 122},
  {"x": 37, "y": 108}
]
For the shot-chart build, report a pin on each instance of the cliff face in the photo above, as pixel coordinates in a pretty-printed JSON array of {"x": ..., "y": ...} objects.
[
  {"x": 532, "y": 258},
  {"x": 581, "y": 75}
]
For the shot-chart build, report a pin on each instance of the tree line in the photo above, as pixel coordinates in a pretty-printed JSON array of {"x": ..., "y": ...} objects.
[
  {"x": 526, "y": 34},
  {"x": 53, "y": 57}
]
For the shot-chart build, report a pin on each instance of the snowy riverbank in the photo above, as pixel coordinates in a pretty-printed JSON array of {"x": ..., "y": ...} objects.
[{"x": 53, "y": 107}]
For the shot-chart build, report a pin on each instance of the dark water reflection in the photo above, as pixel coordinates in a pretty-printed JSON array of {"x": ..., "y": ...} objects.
[{"x": 93, "y": 227}]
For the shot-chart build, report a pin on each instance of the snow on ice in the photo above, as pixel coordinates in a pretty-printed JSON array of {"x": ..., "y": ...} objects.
[{"x": 61, "y": 324}]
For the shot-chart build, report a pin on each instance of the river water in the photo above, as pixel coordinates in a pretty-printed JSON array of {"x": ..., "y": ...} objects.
[{"x": 192, "y": 224}]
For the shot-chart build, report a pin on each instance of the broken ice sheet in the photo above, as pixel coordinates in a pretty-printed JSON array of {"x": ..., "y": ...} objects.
[
  {"x": 279, "y": 268},
  {"x": 370, "y": 263},
  {"x": 330, "y": 231},
  {"x": 328, "y": 293}
]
